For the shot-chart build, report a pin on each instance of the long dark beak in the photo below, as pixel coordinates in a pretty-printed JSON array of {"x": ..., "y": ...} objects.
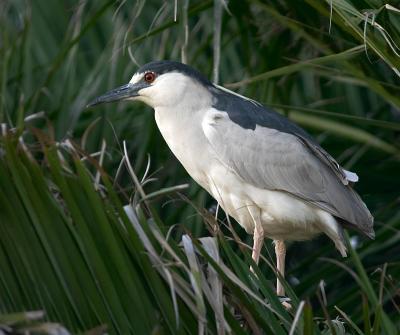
[{"x": 120, "y": 93}]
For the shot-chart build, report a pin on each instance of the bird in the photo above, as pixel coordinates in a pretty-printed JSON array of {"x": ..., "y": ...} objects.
[{"x": 265, "y": 171}]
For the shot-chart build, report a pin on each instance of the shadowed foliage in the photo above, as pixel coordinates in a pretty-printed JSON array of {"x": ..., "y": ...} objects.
[{"x": 94, "y": 237}]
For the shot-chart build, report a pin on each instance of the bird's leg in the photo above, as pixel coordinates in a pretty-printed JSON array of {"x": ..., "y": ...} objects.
[
  {"x": 280, "y": 252},
  {"x": 258, "y": 239}
]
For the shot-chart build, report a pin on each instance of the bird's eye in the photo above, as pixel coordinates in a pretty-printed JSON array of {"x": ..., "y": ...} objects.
[{"x": 149, "y": 77}]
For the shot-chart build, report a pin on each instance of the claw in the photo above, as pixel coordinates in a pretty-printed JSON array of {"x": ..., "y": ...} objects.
[{"x": 285, "y": 301}]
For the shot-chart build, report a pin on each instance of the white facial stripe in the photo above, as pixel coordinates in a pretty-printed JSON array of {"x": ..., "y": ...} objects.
[{"x": 136, "y": 78}]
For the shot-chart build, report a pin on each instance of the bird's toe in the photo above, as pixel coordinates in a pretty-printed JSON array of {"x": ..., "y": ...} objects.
[
  {"x": 285, "y": 301},
  {"x": 287, "y": 305}
]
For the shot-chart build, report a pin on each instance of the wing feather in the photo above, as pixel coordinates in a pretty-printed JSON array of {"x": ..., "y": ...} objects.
[{"x": 286, "y": 161}]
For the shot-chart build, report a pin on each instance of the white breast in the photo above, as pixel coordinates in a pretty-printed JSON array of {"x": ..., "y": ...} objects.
[{"x": 186, "y": 141}]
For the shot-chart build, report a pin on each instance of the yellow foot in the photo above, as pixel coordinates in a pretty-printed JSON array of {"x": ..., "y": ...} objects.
[
  {"x": 287, "y": 305},
  {"x": 285, "y": 301}
]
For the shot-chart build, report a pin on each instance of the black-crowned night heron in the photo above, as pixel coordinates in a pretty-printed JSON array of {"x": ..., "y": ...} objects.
[{"x": 265, "y": 171}]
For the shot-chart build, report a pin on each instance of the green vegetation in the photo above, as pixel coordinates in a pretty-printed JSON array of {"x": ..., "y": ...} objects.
[{"x": 94, "y": 237}]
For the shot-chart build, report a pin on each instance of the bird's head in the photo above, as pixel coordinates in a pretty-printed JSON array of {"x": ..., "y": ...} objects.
[{"x": 160, "y": 84}]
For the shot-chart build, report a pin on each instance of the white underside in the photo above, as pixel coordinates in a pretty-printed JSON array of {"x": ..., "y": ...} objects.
[{"x": 282, "y": 216}]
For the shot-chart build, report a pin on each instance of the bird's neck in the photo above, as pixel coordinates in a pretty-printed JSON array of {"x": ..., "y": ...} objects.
[
  {"x": 180, "y": 125},
  {"x": 181, "y": 128},
  {"x": 184, "y": 115}
]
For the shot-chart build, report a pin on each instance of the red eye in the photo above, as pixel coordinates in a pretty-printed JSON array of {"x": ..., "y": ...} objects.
[{"x": 149, "y": 77}]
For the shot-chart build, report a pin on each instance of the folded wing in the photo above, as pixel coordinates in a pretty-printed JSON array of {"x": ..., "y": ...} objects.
[{"x": 278, "y": 155}]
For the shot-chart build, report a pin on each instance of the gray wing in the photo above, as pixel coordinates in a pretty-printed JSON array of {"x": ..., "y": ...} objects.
[{"x": 284, "y": 159}]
